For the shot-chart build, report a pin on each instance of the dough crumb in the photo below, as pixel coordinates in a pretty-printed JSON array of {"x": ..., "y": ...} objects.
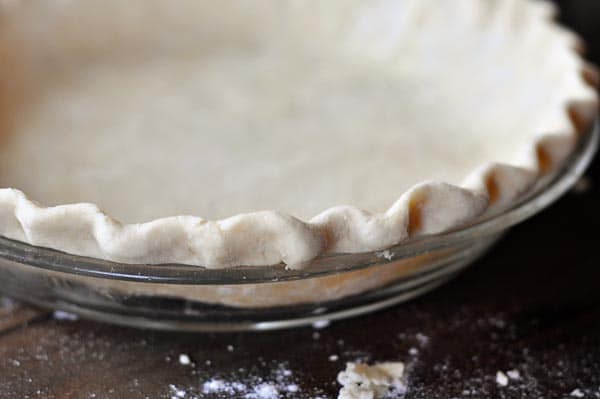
[{"x": 361, "y": 381}]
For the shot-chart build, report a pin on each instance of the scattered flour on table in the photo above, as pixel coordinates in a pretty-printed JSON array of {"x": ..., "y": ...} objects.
[
  {"x": 264, "y": 391},
  {"x": 359, "y": 381},
  {"x": 280, "y": 383}
]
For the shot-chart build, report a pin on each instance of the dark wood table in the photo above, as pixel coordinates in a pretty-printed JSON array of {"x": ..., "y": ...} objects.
[{"x": 531, "y": 306}]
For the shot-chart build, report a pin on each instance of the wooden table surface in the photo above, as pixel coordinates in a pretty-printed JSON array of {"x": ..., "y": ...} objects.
[{"x": 532, "y": 306}]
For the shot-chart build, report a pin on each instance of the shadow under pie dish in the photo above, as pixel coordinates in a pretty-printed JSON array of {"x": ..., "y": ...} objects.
[{"x": 296, "y": 131}]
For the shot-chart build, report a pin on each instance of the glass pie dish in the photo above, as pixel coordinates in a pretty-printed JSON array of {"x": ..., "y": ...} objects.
[
  {"x": 332, "y": 286},
  {"x": 268, "y": 164}
]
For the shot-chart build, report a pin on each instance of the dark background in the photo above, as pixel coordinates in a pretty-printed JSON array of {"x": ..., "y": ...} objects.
[{"x": 531, "y": 305}]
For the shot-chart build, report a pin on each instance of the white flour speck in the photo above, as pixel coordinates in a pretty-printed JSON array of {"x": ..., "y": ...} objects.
[
  {"x": 230, "y": 348},
  {"x": 319, "y": 324},
  {"x": 513, "y": 374},
  {"x": 184, "y": 359},
  {"x": 577, "y": 393},
  {"x": 333, "y": 358},
  {"x": 238, "y": 386},
  {"x": 292, "y": 388},
  {"x": 263, "y": 391},
  {"x": 385, "y": 255},
  {"x": 177, "y": 393},
  {"x": 422, "y": 339},
  {"x": 214, "y": 386},
  {"x": 61, "y": 315},
  {"x": 501, "y": 379}
]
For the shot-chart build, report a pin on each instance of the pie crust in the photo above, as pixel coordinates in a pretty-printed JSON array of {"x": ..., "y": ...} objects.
[{"x": 445, "y": 114}]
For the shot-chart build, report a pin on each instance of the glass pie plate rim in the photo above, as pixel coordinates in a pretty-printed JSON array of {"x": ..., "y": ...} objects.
[{"x": 548, "y": 189}]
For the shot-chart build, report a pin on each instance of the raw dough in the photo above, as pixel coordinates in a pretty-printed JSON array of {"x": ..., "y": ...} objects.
[{"x": 361, "y": 381}]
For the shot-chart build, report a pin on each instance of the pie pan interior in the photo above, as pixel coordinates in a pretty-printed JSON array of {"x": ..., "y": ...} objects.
[{"x": 182, "y": 297}]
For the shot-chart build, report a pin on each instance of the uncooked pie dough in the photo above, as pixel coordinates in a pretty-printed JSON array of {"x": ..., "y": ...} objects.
[
  {"x": 361, "y": 381},
  {"x": 316, "y": 124},
  {"x": 245, "y": 132}
]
